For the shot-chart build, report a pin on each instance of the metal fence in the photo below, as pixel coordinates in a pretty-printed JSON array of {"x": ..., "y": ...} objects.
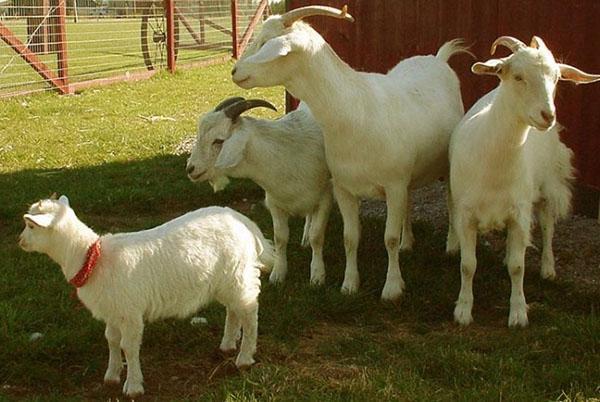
[{"x": 71, "y": 44}]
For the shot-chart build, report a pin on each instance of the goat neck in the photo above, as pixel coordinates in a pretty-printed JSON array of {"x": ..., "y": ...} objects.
[
  {"x": 70, "y": 244},
  {"x": 327, "y": 84},
  {"x": 510, "y": 130}
]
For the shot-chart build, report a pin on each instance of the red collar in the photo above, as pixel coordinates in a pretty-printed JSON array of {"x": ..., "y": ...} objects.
[{"x": 89, "y": 264}]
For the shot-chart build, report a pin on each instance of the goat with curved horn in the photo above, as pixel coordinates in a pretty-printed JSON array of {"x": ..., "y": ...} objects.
[
  {"x": 512, "y": 43},
  {"x": 299, "y": 13},
  {"x": 234, "y": 110},
  {"x": 228, "y": 102}
]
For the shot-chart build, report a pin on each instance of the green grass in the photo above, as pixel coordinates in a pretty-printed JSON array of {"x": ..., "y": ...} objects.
[{"x": 315, "y": 344}]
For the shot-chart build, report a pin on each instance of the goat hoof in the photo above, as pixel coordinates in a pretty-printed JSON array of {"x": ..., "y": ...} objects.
[
  {"x": 518, "y": 319},
  {"x": 244, "y": 362},
  {"x": 548, "y": 272},
  {"x": 392, "y": 290},
  {"x": 317, "y": 280},
  {"x": 227, "y": 351},
  {"x": 349, "y": 288},
  {"x": 133, "y": 390},
  {"x": 112, "y": 378},
  {"x": 462, "y": 315},
  {"x": 112, "y": 382},
  {"x": 276, "y": 277}
]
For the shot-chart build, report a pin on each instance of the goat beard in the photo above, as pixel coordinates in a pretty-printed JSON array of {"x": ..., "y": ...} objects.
[{"x": 219, "y": 183}]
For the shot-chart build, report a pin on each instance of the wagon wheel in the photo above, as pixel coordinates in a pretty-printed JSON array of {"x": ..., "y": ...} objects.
[{"x": 154, "y": 36}]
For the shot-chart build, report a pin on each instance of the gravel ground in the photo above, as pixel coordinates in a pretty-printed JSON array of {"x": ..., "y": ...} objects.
[{"x": 576, "y": 241}]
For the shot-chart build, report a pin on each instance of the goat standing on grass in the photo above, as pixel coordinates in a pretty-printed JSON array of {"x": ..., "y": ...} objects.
[
  {"x": 384, "y": 134},
  {"x": 284, "y": 156},
  {"x": 506, "y": 160},
  {"x": 168, "y": 271}
]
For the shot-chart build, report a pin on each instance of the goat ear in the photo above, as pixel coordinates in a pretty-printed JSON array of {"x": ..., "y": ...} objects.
[
  {"x": 64, "y": 200},
  {"x": 490, "y": 67},
  {"x": 570, "y": 73},
  {"x": 272, "y": 49},
  {"x": 41, "y": 220},
  {"x": 232, "y": 151}
]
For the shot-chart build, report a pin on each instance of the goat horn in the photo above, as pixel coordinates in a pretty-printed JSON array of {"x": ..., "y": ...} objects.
[
  {"x": 54, "y": 196},
  {"x": 512, "y": 43},
  {"x": 234, "y": 110},
  {"x": 537, "y": 43},
  {"x": 297, "y": 14},
  {"x": 227, "y": 102}
]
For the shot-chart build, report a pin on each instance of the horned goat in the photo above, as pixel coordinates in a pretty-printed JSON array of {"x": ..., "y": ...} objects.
[
  {"x": 169, "y": 271},
  {"x": 285, "y": 157},
  {"x": 384, "y": 134},
  {"x": 506, "y": 161}
]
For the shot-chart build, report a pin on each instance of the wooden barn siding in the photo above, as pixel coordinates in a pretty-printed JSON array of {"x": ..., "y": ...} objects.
[{"x": 387, "y": 31}]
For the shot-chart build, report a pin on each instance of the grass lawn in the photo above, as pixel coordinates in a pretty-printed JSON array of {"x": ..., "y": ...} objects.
[{"x": 314, "y": 344}]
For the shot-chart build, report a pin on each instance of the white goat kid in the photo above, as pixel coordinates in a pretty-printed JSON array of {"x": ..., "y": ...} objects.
[
  {"x": 284, "y": 156},
  {"x": 506, "y": 160},
  {"x": 168, "y": 271},
  {"x": 384, "y": 134}
]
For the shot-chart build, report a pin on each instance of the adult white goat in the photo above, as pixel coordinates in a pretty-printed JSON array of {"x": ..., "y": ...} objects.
[
  {"x": 168, "y": 271},
  {"x": 384, "y": 134},
  {"x": 501, "y": 168},
  {"x": 284, "y": 156}
]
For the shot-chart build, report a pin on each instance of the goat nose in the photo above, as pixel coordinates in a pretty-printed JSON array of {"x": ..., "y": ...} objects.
[
  {"x": 233, "y": 71},
  {"x": 547, "y": 116},
  {"x": 189, "y": 169}
]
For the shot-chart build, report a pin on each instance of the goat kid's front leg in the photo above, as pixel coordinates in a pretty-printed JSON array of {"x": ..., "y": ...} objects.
[
  {"x": 467, "y": 236},
  {"x": 516, "y": 244},
  {"x": 349, "y": 208},
  {"x": 115, "y": 360},
  {"x": 316, "y": 236},
  {"x": 396, "y": 203},
  {"x": 131, "y": 340},
  {"x": 281, "y": 232}
]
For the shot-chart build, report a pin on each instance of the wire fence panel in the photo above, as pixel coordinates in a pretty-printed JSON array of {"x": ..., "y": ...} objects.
[{"x": 108, "y": 40}]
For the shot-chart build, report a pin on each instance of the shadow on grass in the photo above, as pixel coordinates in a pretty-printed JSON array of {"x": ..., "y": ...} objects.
[{"x": 150, "y": 188}]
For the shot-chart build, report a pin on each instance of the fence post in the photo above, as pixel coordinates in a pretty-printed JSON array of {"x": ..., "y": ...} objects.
[
  {"x": 170, "y": 14},
  {"x": 61, "y": 45},
  {"x": 234, "y": 29},
  {"x": 202, "y": 22}
]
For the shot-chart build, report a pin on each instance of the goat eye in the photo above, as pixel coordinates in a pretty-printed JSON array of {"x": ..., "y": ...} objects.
[
  {"x": 518, "y": 78},
  {"x": 218, "y": 142}
]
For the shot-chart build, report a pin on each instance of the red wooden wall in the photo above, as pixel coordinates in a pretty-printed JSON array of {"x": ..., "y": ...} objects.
[{"x": 387, "y": 31}]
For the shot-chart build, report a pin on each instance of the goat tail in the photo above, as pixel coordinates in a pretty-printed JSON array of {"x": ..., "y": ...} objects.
[
  {"x": 264, "y": 248},
  {"x": 265, "y": 252},
  {"x": 451, "y": 48},
  {"x": 305, "y": 239}
]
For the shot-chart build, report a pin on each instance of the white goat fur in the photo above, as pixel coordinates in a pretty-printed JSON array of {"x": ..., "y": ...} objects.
[
  {"x": 384, "y": 134},
  {"x": 286, "y": 158},
  {"x": 502, "y": 169},
  {"x": 169, "y": 271}
]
